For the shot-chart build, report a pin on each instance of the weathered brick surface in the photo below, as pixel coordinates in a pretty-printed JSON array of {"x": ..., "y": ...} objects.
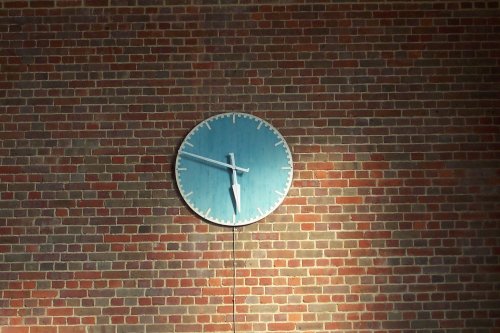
[{"x": 391, "y": 109}]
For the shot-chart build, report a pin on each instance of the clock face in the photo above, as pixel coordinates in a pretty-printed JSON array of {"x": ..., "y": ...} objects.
[{"x": 234, "y": 169}]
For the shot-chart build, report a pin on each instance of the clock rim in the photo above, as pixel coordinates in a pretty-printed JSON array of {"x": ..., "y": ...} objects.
[{"x": 274, "y": 207}]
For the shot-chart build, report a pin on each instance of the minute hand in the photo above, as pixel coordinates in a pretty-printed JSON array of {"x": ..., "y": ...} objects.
[{"x": 203, "y": 158}]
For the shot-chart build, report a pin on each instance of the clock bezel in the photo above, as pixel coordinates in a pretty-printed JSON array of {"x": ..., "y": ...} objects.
[{"x": 235, "y": 222}]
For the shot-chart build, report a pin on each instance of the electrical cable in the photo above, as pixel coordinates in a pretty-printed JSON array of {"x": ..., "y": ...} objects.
[{"x": 234, "y": 280}]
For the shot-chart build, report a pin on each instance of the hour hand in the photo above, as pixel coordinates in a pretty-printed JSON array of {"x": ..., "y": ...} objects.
[{"x": 235, "y": 186}]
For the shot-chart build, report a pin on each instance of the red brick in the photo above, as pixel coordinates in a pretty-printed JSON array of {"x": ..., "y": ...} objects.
[
  {"x": 349, "y": 200},
  {"x": 10, "y": 169},
  {"x": 285, "y": 327},
  {"x": 59, "y": 312},
  {"x": 375, "y": 165},
  {"x": 43, "y": 329},
  {"x": 18, "y": 329},
  {"x": 90, "y": 203},
  {"x": 320, "y": 166}
]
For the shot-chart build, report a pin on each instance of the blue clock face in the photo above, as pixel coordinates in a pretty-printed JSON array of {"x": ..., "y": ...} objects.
[{"x": 234, "y": 169}]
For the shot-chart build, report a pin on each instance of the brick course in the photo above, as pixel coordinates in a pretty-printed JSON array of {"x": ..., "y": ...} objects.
[{"x": 391, "y": 110}]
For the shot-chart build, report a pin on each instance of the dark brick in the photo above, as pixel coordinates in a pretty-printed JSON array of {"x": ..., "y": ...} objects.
[
  {"x": 17, "y": 257},
  {"x": 421, "y": 324}
]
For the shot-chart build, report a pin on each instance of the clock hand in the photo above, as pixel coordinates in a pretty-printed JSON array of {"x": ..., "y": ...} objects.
[
  {"x": 203, "y": 158},
  {"x": 235, "y": 186}
]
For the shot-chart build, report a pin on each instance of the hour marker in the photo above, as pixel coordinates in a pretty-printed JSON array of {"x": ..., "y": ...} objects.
[
  {"x": 208, "y": 211},
  {"x": 181, "y": 169},
  {"x": 278, "y": 192},
  {"x": 260, "y": 125},
  {"x": 234, "y": 218},
  {"x": 286, "y": 168},
  {"x": 189, "y": 144},
  {"x": 208, "y": 126},
  {"x": 260, "y": 211},
  {"x": 234, "y": 118},
  {"x": 278, "y": 143},
  {"x": 187, "y": 195}
]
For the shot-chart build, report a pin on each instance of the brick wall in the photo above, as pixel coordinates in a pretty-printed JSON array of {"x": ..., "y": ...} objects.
[{"x": 391, "y": 109}]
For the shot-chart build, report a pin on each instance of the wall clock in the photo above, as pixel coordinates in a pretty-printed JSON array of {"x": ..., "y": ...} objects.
[{"x": 233, "y": 169}]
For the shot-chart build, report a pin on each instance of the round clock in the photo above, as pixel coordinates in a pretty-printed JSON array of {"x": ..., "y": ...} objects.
[{"x": 234, "y": 169}]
